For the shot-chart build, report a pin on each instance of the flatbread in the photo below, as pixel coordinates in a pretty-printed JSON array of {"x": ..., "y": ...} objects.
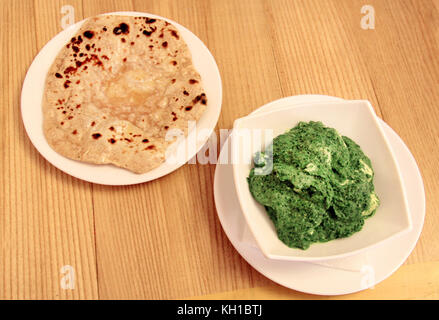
[{"x": 115, "y": 90}]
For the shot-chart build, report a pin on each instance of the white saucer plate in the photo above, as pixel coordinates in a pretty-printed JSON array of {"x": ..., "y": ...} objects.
[
  {"x": 31, "y": 108},
  {"x": 312, "y": 278}
]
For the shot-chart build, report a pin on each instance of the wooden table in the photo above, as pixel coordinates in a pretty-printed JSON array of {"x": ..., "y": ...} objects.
[{"x": 162, "y": 239}]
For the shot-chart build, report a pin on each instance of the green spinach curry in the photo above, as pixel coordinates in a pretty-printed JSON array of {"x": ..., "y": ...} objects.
[{"x": 319, "y": 186}]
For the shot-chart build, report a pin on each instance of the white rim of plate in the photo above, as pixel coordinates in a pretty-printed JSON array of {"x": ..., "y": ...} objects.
[
  {"x": 258, "y": 261},
  {"x": 33, "y": 88}
]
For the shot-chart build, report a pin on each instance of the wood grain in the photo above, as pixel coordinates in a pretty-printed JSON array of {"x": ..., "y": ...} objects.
[
  {"x": 46, "y": 216},
  {"x": 162, "y": 239}
]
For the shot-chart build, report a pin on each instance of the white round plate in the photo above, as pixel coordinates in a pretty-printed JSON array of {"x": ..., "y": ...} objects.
[
  {"x": 31, "y": 108},
  {"x": 313, "y": 278}
]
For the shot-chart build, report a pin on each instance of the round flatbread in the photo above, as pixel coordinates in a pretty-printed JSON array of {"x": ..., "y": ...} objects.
[{"x": 117, "y": 88}]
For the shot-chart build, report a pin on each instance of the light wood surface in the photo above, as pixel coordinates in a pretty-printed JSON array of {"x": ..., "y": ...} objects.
[{"x": 163, "y": 239}]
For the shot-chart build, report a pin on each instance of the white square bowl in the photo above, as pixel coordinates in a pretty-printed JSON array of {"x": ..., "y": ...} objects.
[{"x": 355, "y": 119}]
